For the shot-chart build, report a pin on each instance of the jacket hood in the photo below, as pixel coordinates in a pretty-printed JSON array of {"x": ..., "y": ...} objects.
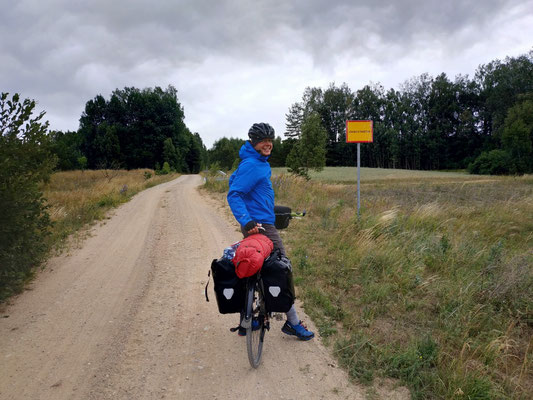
[{"x": 248, "y": 151}]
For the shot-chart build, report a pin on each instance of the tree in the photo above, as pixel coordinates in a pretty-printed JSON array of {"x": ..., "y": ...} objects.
[
  {"x": 337, "y": 107},
  {"x": 26, "y": 160},
  {"x": 132, "y": 128},
  {"x": 494, "y": 162},
  {"x": 169, "y": 154},
  {"x": 517, "y": 136},
  {"x": 82, "y": 162},
  {"x": 516, "y": 154},
  {"x": 107, "y": 146},
  {"x": 294, "y": 121},
  {"x": 312, "y": 101},
  {"x": 67, "y": 148},
  {"x": 310, "y": 151},
  {"x": 414, "y": 100},
  {"x": 370, "y": 105},
  {"x": 334, "y": 106},
  {"x": 500, "y": 83},
  {"x": 196, "y": 157},
  {"x": 279, "y": 152},
  {"x": 225, "y": 151}
]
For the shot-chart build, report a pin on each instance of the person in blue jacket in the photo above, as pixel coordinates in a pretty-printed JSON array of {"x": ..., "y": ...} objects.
[{"x": 251, "y": 199}]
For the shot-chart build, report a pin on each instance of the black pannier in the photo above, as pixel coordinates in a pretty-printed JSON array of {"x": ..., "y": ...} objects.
[
  {"x": 277, "y": 282},
  {"x": 229, "y": 289},
  {"x": 283, "y": 215}
]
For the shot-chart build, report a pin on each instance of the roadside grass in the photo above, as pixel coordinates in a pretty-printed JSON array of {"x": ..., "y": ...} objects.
[
  {"x": 216, "y": 182},
  {"x": 432, "y": 285},
  {"x": 77, "y": 198}
]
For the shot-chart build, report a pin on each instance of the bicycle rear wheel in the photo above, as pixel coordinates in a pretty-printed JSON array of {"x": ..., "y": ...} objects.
[{"x": 255, "y": 324}]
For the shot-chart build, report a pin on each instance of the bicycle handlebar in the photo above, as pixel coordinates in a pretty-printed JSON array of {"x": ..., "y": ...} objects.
[{"x": 298, "y": 214}]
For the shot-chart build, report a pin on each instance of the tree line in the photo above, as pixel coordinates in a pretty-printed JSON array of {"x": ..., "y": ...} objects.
[
  {"x": 134, "y": 128},
  {"x": 484, "y": 124},
  {"x": 225, "y": 152}
]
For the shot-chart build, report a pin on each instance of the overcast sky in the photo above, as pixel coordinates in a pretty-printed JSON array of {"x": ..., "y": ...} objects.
[{"x": 239, "y": 62}]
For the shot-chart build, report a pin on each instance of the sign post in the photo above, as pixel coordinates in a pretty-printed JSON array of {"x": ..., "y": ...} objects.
[{"x": 361, "y": 131}]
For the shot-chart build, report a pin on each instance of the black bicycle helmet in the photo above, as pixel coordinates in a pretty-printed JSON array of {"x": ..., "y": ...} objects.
[{"x": 259, "y": 132}]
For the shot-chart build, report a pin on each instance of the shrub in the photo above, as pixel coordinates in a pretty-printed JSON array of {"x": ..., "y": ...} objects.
[
  {"x": 82, "y": 162},
  {"x": 165, "y": 170},
  {"x": 495, "y": 162},
  {"x": 25, "y": 161},
  {"x": 214, "y": 168}
]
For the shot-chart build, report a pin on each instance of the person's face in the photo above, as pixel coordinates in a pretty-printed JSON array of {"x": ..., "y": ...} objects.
[{"x": 264, "y": 147}]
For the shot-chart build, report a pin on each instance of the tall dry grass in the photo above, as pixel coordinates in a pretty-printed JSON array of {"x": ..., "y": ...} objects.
[
  {"x": 76, "y": 198},
  {"x": 432, "y": 285}
]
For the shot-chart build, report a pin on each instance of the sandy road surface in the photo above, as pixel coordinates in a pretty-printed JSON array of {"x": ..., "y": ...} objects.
[{"x": 125, "y": 317}]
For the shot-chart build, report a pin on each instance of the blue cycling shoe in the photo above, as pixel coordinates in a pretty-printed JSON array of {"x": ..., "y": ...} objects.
[
  {"x": 299, "y": 330},
  {"x": 255, "y": 326}
]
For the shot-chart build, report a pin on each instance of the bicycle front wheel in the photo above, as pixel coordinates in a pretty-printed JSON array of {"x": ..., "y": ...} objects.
[{"x": 255, "y": 331}]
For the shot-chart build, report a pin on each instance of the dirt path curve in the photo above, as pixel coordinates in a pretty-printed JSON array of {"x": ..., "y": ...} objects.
[{"x": 125, "y": 317}]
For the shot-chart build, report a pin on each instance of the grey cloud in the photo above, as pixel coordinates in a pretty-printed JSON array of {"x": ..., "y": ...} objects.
[
  {"x": 66, "y": 52},
  {"x": 401, "y": 24},
  {"x": 126, "y": 33}
]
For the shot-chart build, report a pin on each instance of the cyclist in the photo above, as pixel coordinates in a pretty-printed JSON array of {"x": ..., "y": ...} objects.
[{"x": 251, "y": 199}]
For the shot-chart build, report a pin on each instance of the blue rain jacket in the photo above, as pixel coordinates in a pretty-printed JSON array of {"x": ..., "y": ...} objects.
[{"x": 251, "y": 196}]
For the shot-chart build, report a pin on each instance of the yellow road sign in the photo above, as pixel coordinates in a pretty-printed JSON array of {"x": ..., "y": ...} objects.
[{"x": 359, "y": 131}]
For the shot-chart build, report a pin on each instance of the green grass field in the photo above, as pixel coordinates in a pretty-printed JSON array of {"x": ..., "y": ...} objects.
[
  {"x": 432, "y": 285},
  {"x": 349, "y": 174}
]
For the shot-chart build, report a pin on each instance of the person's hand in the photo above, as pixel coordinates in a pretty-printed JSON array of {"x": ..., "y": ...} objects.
[
  {"x": 257, "y": 229},
  {"x": 253, "y": 227}
]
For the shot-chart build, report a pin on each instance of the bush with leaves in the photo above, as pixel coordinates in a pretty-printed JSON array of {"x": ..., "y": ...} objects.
[
  {"x": 165, "y": 170},
  {"x": 495, "y": 162},
  {"x": 25, "y": 161}
]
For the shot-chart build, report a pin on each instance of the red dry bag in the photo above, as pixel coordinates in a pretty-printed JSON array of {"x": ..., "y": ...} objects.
[{"x": 251, "y": 253}]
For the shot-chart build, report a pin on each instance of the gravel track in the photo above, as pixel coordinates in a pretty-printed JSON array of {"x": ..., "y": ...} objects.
[{"x": 125, "y": 317}]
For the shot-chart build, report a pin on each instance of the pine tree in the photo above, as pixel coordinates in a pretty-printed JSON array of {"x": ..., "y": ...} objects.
[{"x": 310, "y": 151}]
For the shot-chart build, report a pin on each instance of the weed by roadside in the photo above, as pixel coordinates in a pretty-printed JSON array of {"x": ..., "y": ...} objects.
[{"x": 216, "y": 180}]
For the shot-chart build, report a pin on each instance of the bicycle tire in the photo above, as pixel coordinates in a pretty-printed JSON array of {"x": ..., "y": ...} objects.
[{"x": 255, "y": 309}]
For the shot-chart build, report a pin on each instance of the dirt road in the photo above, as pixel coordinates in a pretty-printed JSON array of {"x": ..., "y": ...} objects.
[{"x": 125, "y": 317}]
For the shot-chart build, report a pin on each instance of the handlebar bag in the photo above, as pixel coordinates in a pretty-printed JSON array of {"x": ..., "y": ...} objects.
[
  {"x": 229, "y": 289},
  {"x": 283, "y": 215},
  {"x": 278, "y": 283}
]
